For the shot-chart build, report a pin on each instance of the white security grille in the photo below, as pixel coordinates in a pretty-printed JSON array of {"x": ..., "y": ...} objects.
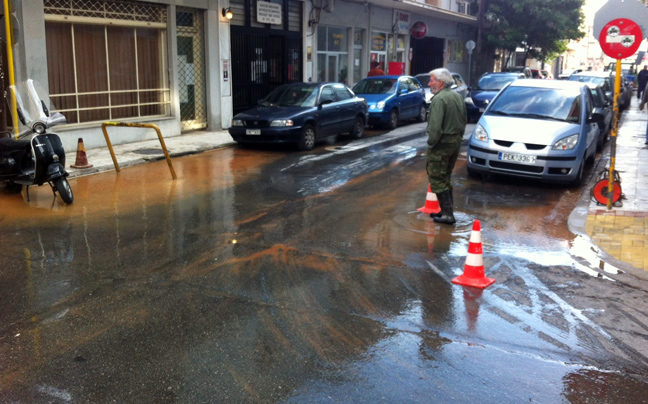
[
  {"x": 191, "y": 68},
  {"x": 107, "y": 10}
]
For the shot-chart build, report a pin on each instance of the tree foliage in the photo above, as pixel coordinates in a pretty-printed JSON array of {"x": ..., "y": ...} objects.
[{"x": 541, "y": 27}]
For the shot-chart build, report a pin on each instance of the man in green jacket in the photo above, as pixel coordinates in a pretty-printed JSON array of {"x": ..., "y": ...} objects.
[{"x": 445, "y": 130}]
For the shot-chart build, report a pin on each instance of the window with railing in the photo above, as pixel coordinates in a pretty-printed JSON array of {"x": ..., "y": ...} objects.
[{"x": 107, "y": 60}]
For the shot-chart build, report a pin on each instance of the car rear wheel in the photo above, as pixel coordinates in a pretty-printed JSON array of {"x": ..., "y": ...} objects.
[
  {"x": 393, "y": 119},
  {"x": 307, "y": 141},
  {"x": 358, "y": 128},
  {"x": 422, "y": 114}
]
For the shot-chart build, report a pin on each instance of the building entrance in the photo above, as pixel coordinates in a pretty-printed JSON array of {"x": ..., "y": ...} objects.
[{"x": 427, "y": 54}]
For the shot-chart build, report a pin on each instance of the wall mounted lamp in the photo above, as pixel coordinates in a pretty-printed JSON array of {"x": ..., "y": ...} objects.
[{"x": 227, "y": 13}]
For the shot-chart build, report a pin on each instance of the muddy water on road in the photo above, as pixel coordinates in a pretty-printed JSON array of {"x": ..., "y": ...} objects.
[{"x": 256, "y": 277}]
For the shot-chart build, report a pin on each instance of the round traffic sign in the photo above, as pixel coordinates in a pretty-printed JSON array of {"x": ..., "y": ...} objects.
[{"x": 620, "y": 38}]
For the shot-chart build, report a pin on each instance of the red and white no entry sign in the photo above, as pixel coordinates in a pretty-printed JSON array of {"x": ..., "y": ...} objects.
[{"x": 620, "y": 38}]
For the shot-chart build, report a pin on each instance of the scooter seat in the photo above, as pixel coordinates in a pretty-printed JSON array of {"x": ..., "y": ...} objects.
[{"x": 9, "y": 144}]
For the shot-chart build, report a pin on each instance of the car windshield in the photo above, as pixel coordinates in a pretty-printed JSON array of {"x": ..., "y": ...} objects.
[
  {"x": 539, "y": 103},
  {"x": 292, "y": 96},
  {"x": 494, "y": 82},
  {"x": 375, "y": 86},
  {"x": 424, "y": 79}
]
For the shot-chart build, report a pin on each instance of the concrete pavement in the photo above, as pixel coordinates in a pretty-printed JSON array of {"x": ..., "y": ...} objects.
[{"x": 621, "y": 233}]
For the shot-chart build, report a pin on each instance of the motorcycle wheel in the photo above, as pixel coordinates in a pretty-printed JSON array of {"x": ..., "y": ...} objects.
[
  {"x": 13, "y": 188},
  {"x": 63, "y": 187}
]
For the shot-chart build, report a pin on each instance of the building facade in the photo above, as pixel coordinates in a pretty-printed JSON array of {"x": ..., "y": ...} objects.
[{"x": 184, "y": 65}]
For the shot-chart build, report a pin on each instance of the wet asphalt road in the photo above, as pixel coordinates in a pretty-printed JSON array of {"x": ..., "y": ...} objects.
[{"x": 265, "y": 275}]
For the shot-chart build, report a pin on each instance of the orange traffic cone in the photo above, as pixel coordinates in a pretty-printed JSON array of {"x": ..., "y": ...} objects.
[
  {"x": 431, "y": 203},
  {"x": 81, "y": 158},
  {"x": 474, "y": 269}
]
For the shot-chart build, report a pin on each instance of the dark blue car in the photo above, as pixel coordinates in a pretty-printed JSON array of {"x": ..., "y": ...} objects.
[
  {"x": 392, "y": 99},
  {"x": 482, "y": 93},
  {"x": 302, "y": 113}
]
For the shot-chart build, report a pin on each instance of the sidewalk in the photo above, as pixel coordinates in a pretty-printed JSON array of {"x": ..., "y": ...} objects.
[
  {"x": 140, "y": 152},
  {"x": 622, "y": 232}
]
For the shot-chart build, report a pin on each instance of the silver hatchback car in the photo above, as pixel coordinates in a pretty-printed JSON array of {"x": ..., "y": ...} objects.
[{"x": 542, "y": 129}]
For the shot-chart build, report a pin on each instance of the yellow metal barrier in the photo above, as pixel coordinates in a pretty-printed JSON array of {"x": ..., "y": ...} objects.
[{"x": 137, "y": 125}]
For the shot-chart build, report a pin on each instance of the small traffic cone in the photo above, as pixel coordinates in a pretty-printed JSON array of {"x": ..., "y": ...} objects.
[
  {"x": 81, "y": 158},
  {"x": 474, "y": 269},
  {"x": 431, "y": 203}
]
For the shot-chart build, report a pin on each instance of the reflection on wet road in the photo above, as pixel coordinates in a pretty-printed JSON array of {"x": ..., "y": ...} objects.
[{"x": 274, "y": 276}]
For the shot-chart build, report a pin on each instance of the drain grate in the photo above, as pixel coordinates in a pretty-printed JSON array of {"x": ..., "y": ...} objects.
[{"x": 148, "y": 151}]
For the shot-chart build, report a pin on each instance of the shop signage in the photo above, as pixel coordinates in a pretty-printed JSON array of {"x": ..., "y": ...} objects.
[
  {"x": 401, "y": 22},
  {"x": 378, "y": 42},
  {"x": 419, "y": 30},
  {"x": 268, "y": 13}
]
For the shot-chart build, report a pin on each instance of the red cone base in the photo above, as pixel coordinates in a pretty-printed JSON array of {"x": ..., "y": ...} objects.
[
  {"x": 81, "y": 158},
  {"x": 431, "y": 203},
  {"x": 474, "y": 269}
]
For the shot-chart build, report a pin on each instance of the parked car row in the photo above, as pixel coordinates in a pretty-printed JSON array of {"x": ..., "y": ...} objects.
[
  {"x": 304, "y": 113},
  {"x": 606, "y": 79}
]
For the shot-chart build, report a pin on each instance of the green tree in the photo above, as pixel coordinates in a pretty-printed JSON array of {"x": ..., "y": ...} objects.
[{"x": 541, "y": 27}]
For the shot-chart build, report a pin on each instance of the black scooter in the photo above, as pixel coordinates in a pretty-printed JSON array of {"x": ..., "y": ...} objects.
[{"x": 36, "y": 157}]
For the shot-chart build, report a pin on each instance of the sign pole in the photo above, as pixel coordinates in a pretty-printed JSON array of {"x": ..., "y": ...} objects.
[
  {"x": 613, "y": 137},
  {"x": 619, "y": 39}
]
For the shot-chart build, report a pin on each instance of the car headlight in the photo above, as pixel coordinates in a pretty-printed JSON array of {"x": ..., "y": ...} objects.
[
  {"x": 282, "y": 122},
  {"x": 237, "y": 122},
  {"x": 567, "y": 143},
  {"x": 480, "y": 134},
  {"x": 469, "y": 101},
  {"x": 380, "y": 105}
]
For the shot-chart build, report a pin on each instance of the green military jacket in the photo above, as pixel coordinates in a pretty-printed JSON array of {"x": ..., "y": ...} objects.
[{"x": 447, "y": 117}]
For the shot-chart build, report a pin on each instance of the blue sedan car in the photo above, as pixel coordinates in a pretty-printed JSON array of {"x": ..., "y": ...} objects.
[
  {"x": 302, "y": 113},
  {"x": 542, "y": 129},
  {"x": 392, "y": 99},
  {"x": 482, "y": 93}
]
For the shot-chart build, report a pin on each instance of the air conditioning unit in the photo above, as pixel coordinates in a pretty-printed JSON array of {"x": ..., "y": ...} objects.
[{"x": 462, "y": 7}]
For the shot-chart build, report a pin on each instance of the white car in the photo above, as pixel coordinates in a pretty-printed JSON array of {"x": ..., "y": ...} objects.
[{"x": 541, "y": 129}]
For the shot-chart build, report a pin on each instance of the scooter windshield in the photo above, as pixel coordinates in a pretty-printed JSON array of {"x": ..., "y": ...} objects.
[{"x": 35, "y": 110}]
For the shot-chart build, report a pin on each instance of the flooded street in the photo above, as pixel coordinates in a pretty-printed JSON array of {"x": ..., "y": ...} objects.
[{"x": 272, "y": 276}]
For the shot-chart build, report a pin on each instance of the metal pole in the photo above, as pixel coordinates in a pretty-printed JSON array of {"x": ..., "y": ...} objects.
[
  {"x": 615, "y": 127},
  {"x": 12, "y": 78}
]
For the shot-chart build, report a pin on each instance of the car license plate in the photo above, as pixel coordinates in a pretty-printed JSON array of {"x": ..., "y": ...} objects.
[
  {"x": 253, "y": 132},
  {"x": 520, "y": 158}
]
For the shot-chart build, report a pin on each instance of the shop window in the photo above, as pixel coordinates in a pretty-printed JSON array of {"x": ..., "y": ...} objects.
[{"x": 98, "y": 70}]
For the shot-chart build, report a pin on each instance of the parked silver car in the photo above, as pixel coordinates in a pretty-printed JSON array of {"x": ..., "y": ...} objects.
[{"x": 542, "y": 129}]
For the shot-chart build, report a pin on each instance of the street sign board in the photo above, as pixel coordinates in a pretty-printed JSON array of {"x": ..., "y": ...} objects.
[{"x": 620, "y": 38}]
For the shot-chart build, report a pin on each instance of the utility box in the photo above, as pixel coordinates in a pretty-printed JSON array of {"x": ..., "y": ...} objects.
[{"x": 396, "y": 68}]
